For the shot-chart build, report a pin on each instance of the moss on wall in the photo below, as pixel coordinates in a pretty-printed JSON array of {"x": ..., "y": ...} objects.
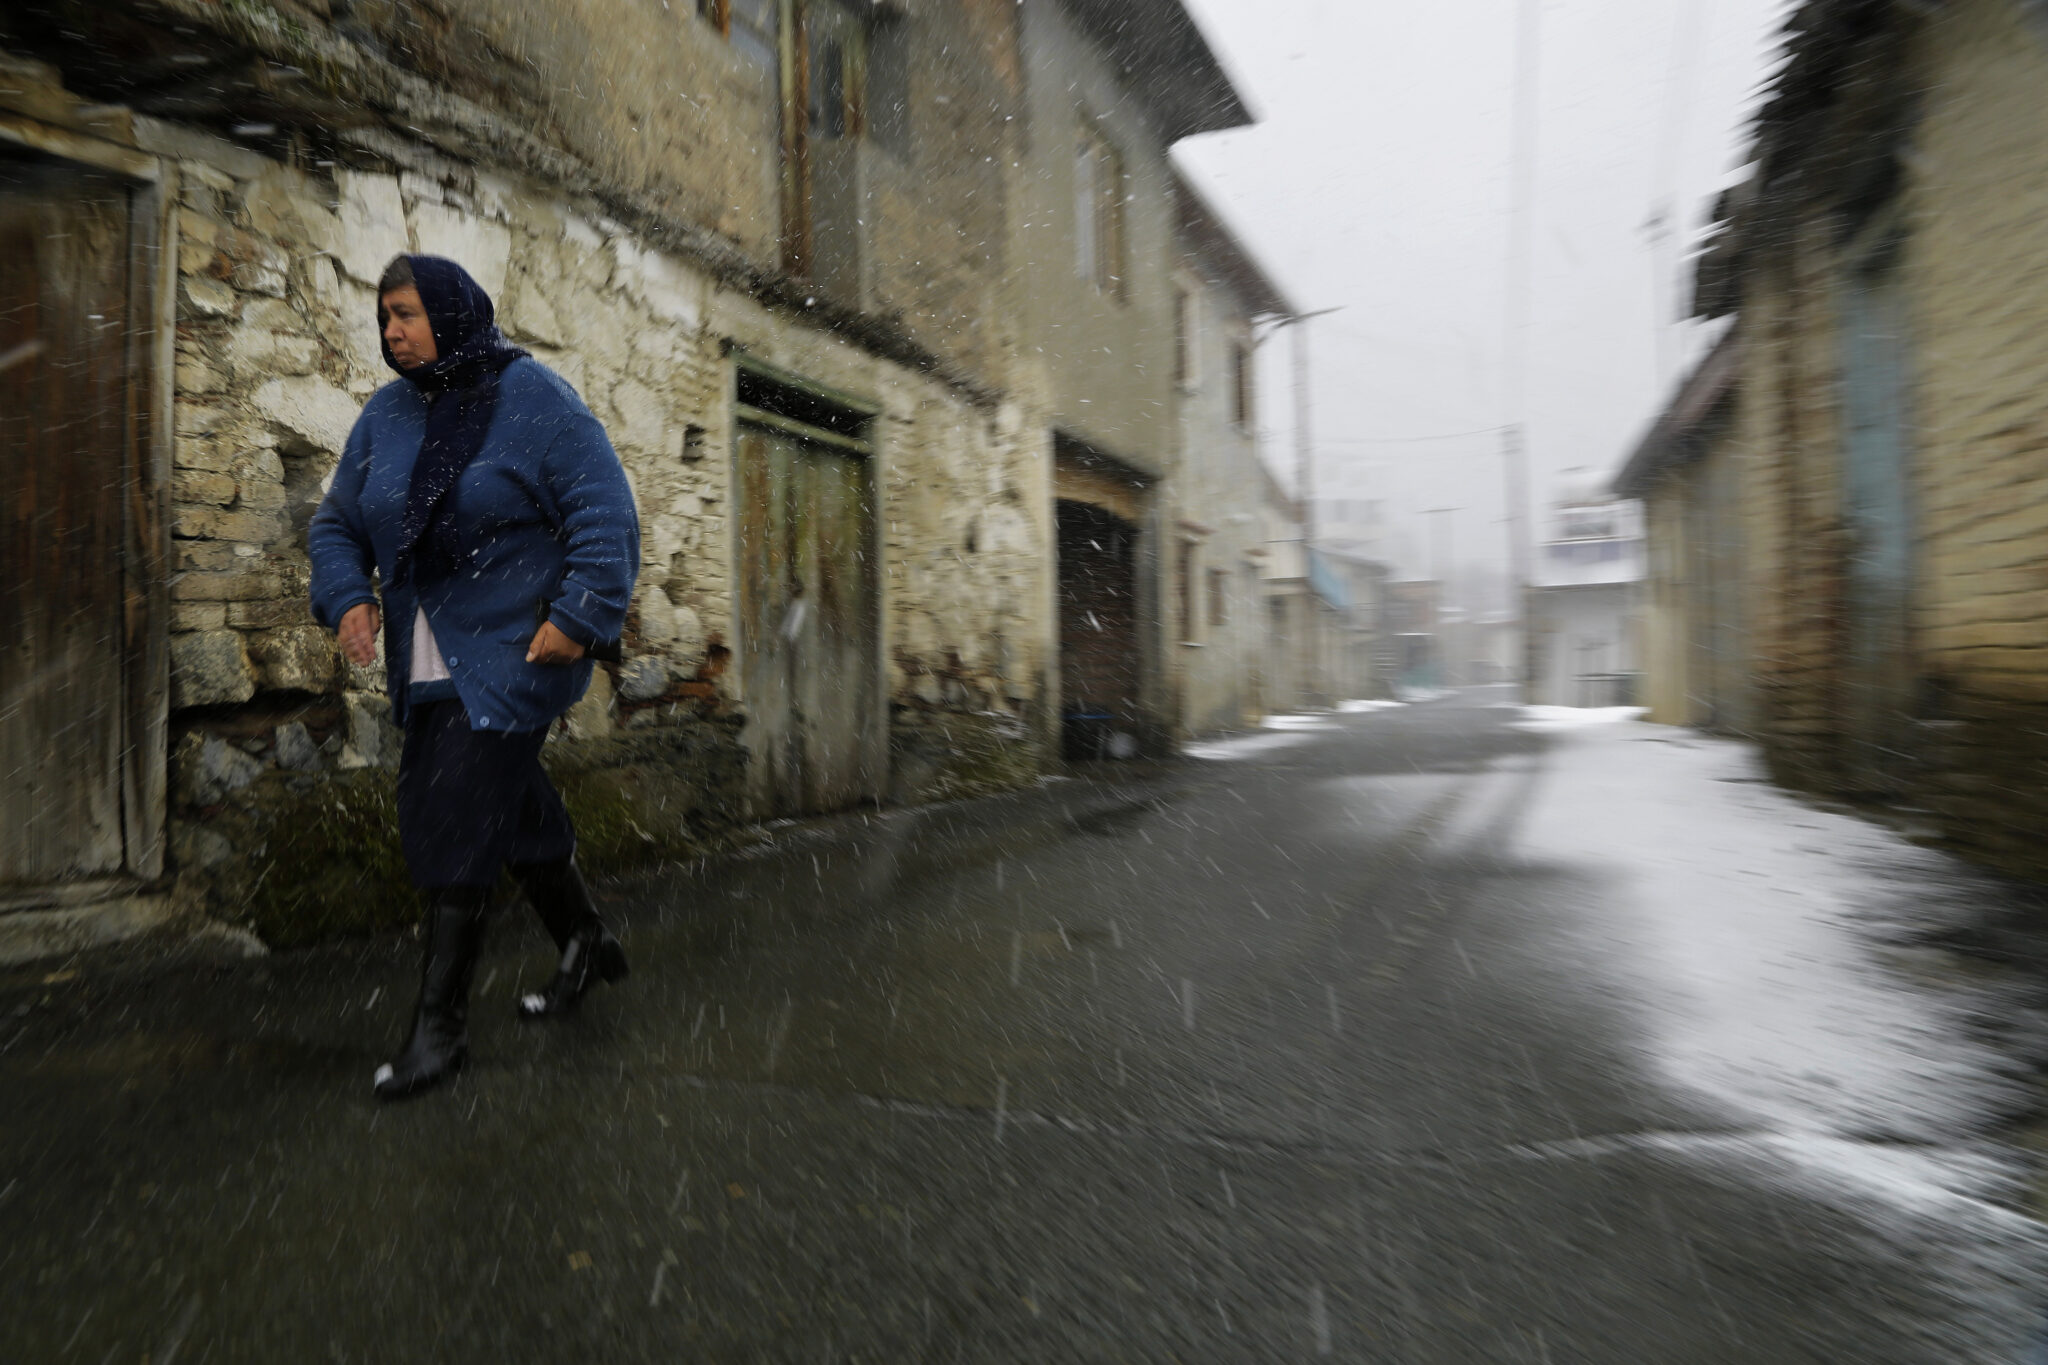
[
  {"x": 298, "y": 857},
  {"x": 950, "y": 756}
]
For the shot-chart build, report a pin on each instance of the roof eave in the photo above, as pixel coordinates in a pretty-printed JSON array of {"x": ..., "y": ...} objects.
[
  {"x": 1663, "y": 445},
  {"x": 1167, "y": 62}
]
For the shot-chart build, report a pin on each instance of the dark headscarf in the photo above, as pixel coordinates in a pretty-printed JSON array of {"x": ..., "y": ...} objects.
[{"x": 461, "y": 389}]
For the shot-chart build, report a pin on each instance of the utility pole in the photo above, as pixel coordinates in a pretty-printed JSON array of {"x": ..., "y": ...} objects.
[
  {"x": 1514, "y": 436},
  {"x": 1304, "y": 439},
  {"x": 1304, "y": 445},
  {"x": 1440, "y": 546}
]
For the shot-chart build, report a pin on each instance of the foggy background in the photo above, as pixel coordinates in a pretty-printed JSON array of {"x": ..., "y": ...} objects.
[{"x": 1377, "y": 181}]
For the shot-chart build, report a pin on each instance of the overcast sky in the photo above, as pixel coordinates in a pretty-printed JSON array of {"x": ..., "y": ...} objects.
[{"x": 1377, "y": 181}]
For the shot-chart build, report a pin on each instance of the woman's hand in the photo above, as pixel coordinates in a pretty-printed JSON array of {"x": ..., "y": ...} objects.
[
  {"x": 550, "y": 646},
  {"x": 359, "y": 633}
]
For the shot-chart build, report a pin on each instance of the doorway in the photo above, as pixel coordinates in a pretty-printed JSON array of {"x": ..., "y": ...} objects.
[
  {"x": 809, "y": 600},
  {"x": 81, "y": 723},
  {"x": 1100, "y": 675}
]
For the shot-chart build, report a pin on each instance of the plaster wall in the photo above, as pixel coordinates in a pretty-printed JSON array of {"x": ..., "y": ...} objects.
[{"x": 1104, "y": 362}]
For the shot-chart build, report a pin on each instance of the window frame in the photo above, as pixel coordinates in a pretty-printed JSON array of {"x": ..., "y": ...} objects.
[
  {"x": 1243, "y": 399},
  {"x": 1101, "y": 195},
  {"x": 1187, "y": 338}
]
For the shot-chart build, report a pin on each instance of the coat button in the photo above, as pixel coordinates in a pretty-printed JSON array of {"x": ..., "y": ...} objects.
[
  {"x": 484, "y": 721},
  {"x": 452, "y": 661}
]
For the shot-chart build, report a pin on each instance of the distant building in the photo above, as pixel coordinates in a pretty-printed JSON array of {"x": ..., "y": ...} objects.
[
  {"x": 1410, "y": 654},
  {"x": 1582, "y": 604}
]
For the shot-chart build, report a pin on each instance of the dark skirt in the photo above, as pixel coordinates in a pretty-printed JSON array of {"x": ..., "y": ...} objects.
[{"x": 472, "y": 801}]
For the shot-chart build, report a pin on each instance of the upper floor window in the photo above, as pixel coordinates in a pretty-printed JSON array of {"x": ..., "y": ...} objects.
[
  {"x": 1241, "y": 384},
  {"x": 843, "y": 74},
  {"x": 1099, "y": 211},
  {"x": 1186, "y": 331}
]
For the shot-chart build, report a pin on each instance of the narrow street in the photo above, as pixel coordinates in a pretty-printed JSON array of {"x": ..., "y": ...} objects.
[{"x": 1367, "y": 1039}]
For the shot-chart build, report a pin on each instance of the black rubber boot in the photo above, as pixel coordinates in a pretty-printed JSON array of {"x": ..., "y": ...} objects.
[
  {"x": 589, "y": 952},
  {"x": 440, "y": 1035}
]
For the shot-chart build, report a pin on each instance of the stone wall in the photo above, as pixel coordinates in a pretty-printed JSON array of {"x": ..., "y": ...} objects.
[
  {"x": 277, "y": 348},
  {"x": 609, "y": 170},
  {"x": 1971, "y": 193},
  {"x": 656, "y": 103},
  {"x": 1978, "y": 271}
]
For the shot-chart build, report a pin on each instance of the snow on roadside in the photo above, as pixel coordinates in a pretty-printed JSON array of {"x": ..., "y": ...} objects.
[
  {"x": 1277, "y": 732},
  {"x": 1366, "y": 704},
  {"x": 1738, "y": 917},
  {"x": 1571, "y": 717}
]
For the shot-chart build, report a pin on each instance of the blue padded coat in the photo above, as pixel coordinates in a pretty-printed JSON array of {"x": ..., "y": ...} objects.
[{"x": 545, "y": 517}]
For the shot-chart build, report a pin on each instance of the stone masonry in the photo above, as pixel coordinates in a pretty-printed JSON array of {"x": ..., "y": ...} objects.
[{"x": 1941, "y": 112}]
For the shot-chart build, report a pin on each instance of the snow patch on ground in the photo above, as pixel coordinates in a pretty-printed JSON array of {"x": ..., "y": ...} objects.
[
  {"x": 1742, "y": 919},
  {"x": 1279, "y": 732},
  {"x": 1571, "y": 717},
  {"x": 1305, "y": 722},
  {"x": 1363, "y": 704},
  {"x": 1245, "y": 746}
]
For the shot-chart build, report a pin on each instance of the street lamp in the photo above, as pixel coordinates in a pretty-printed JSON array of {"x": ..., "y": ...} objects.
[{"x": 1304, "y": 451}]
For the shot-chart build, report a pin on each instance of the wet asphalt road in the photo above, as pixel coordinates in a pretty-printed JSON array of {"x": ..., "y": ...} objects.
[{"x": 1260, "y": 1060}]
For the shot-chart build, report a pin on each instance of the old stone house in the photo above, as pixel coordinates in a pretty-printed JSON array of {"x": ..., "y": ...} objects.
[
  {"x": 1851, "y": 496},
  {"x": 881, "y": 292},
  {"x": 1216, "y": 606}
]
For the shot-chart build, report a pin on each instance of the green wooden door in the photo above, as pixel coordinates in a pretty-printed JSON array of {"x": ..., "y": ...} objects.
[{"x": 808, "y": 614}]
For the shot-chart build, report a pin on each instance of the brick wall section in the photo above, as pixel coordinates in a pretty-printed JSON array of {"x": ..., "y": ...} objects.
[
  {"x": 1973, "y": 195},
  {"x": 1978, "y": 270}
]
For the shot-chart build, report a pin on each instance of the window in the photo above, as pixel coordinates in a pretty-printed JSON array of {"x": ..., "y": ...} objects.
[
  {"x": 1184, "y": 336},
  {"x": 751, "y": 25},
  {"x": 844, "y": 55},
  {"x": 1241, "y": 385},
  {"x": 1099, "y": 212},
  {"x": 888, "y": 92},
  {"x": 1219, "y": 598},
  {"x": 1185, "y": 582},
  {"x": 836, "y": 44}
]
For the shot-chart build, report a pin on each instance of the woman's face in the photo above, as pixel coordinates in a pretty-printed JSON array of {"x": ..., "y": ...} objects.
[{"x": 406, "y": 329}]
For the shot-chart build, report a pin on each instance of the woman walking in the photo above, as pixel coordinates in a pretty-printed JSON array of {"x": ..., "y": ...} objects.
[{"x": 489, "y": 503}]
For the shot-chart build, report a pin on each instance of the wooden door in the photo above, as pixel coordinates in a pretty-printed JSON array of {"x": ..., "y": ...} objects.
[
  {"x": 809, "y": 619},
  {"x": 67, "y": 437},
  {"x": 1876, "y": 450},
  {"x": 1098, "y": 601}
]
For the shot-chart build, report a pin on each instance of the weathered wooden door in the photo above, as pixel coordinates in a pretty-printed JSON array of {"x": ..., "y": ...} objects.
[
  {"x": 1098, "y": 600},
  {"x": 1876, "y": 511},
  {"x": 809, "y": 622},
  {"x": 67, "y": 439}
]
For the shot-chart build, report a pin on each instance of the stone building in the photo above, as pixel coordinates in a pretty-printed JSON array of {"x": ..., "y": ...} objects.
[
  {"x": 1852, "y": 495},
  {"x": 1688, "y": 472},
  {"x": 881, "y": 288},
  {"x": 1216, "y": 603}
]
